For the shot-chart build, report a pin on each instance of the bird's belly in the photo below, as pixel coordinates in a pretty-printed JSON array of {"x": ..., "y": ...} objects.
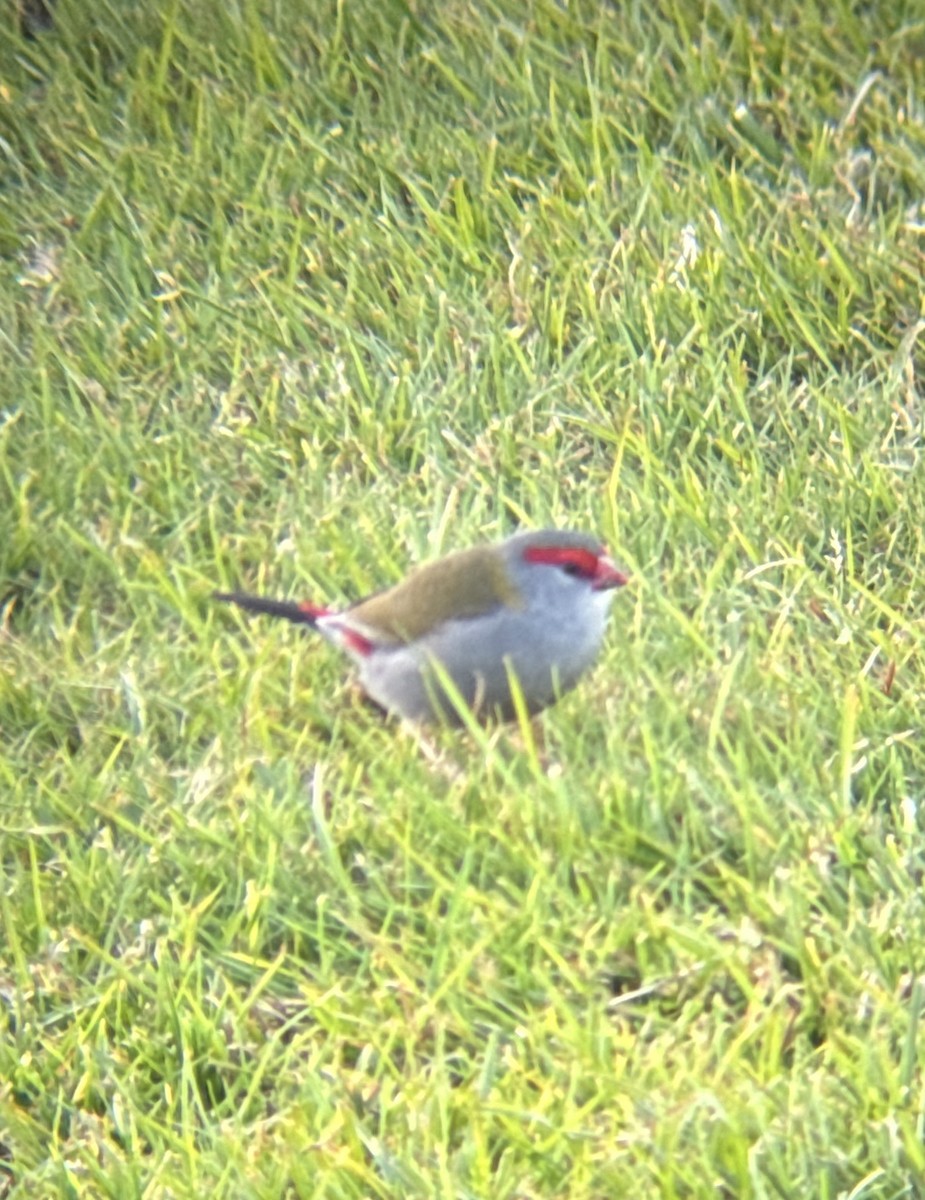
[{"x": 547, "y": 658}]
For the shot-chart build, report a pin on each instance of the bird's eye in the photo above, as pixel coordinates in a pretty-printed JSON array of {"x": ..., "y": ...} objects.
[{"x": 572, "y": 569}]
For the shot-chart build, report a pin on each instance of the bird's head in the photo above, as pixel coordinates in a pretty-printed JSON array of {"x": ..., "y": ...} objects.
[{"x": 561, "y": 566}]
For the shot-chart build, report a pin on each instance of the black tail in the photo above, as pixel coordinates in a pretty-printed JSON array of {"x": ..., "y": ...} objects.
[{"x": 302, "y": 614}]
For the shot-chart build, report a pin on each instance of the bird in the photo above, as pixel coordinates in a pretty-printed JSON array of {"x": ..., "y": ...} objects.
[{"x": 533, "y": 606}]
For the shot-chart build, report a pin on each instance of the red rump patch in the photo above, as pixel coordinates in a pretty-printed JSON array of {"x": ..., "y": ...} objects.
[
  {"x": 356, "y": 642},
  {"x": 581, "y": 562},
  {"x": 313, "y": 610},
  {"x": 351, "y": 639}
]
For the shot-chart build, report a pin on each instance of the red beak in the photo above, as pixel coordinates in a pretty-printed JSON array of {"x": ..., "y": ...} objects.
[{"x": 608, "y": 575}]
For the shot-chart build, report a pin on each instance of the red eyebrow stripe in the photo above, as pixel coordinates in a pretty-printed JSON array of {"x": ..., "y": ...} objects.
[{"x": 584, "y": 561}]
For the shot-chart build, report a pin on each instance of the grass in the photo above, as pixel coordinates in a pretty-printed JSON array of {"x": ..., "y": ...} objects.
[{"x": 293, "y": 296}]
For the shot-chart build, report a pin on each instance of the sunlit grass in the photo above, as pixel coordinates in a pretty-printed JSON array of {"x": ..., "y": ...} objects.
[{"x": 293, "y": 297}]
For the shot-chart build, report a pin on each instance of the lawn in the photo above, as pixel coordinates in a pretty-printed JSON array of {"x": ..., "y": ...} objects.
[{"x": 294, "y": 295}]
